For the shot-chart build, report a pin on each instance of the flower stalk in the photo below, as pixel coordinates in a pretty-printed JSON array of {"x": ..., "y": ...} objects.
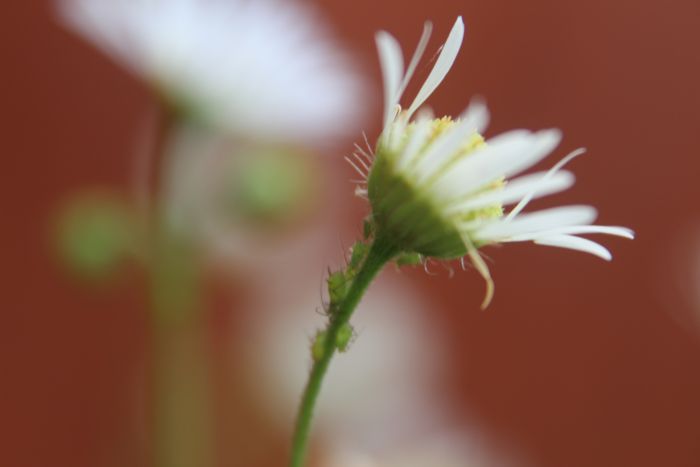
[
  {"x": 181, "y": 407},
  {"x": 360, "y": 273}
]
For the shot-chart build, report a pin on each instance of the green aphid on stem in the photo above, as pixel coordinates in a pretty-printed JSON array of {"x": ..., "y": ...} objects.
[
  {"x": 338, "y": 285},
  {"x": 345, "y": 334},
  {"x": 318, "y": 346},
  {"x": 342, "y": 341},
  {"x": 358, "y": 254}
]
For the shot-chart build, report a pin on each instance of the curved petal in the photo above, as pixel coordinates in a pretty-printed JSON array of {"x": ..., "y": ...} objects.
[
  {"x": 616, "y": 231},
  {"x": 442, "y": 65},
  {"x": 391, "y": 63},
  {"x": 503, "y": 156},
  {"x": 576, "y": 243},
  {"x": 539, "y": 221},
  {"x": 528, "y": 197},
  {"x": 538, "y": 184},
  {"x": 417, "y": 55}
]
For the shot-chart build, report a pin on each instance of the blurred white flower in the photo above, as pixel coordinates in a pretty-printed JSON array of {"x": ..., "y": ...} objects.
[
  {"x": 436, "y": 448},
  {"x": 674, "y": 275},
  {"x": 261, "y": 68},
  {"x": 376, "y": 390}
]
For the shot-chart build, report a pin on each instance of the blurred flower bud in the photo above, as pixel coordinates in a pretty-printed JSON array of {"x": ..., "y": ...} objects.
[
  {"x": 273, "y": 186},
  {"x": 93, "y": 234}
]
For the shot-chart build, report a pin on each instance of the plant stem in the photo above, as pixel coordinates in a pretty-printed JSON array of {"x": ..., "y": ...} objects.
[
  {"x": 181, "y": 361},
  {"x": 380, "y": 253},
  {"x": 181, "y": 406}
]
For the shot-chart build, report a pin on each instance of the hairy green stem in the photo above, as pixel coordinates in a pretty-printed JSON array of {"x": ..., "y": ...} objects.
[{"x": 379, "y": 254}]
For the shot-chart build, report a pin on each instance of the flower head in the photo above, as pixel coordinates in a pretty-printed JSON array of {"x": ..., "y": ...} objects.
[
  {"x": 438, "y": 189},
  {"x": 255, "y": 67}
]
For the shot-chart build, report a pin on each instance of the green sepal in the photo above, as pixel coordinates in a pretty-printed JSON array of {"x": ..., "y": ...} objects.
[
  {"x": 409, "y": 259},
  {"x": 411, "y": 218}
]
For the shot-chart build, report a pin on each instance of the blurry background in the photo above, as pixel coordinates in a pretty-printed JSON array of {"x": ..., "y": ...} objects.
[{"x": 577, "y": 362}]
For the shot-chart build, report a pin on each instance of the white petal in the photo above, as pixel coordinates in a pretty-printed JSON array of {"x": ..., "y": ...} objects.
[
  {"x": 391, "y": 63},
  {"x": 502, "y": 230},
  {"x": 442, "y": 65},
  {"x": 514, "y": 190},
  {"x": 477, "y": 113},
  {"x": 414, "y": 145},
  {"x": 504, "y": 155},
  {"x": 528, "y": 197},
  {"x": 395, "y": 132},
  {"x": 623, "y": 232},
  {"x": 576, "y": 243},
  {"x": 417, "y": 55},
  {"x": 474, "y": 119},
  {"x": 441, "y": 150}
]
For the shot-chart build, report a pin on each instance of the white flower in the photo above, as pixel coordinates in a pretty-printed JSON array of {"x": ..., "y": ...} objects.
[
  {"x": 263, "y": 68},
  {"x": 430, "y": 445},
  {"x": 437, "y": 189}
]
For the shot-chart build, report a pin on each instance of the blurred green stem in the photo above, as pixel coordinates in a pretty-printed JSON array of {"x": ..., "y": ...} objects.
[
  {"x": 380, "y": 253},
  {"x": 181, "y": 387},
  {"x": 182, "y": 412}
]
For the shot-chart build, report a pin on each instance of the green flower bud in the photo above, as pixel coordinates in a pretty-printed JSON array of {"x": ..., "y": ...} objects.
[{"x": 271, "y": 186}]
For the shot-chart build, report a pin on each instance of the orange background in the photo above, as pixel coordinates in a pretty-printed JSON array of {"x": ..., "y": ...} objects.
[{"x": 579, "y": 363}]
